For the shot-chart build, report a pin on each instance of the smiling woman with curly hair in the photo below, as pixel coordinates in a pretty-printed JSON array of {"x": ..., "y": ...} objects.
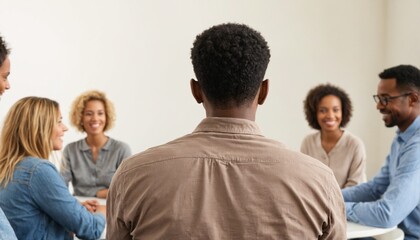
[
  {"x": 90, "y": 163},
  {"x": 328, "y": 109}
]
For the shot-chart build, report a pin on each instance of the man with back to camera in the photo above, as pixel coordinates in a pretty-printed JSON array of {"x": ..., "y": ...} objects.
[
  {"x": 392, "y": 197},
  {"x": 225, "y": 180}
]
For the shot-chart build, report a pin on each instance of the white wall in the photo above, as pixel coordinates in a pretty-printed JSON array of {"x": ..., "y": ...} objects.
[{"x": 138, "y": 53}]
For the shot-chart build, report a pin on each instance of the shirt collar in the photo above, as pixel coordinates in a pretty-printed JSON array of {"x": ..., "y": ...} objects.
[
  {"x": 85, "y": 146},
  {"x": 409, "y": 132},
  {"x": 228, "y": 125}
]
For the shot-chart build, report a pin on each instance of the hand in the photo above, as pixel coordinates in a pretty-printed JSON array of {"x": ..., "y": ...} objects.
[
  {"x": 102, "y": 193},
  {"x": 101, "y": 209},
  {"x": 91, "y": 205}
]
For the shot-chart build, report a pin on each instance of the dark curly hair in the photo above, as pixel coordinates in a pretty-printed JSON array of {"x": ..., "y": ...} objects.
[
  {"x": 4, "y": 51},
  {"x": 407, "y": 76},
  {"x": 315, "y": 96},
  {"x": 229, "y": 62}
]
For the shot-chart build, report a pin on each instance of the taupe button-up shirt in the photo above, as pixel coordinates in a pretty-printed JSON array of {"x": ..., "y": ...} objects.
[{"x": 224, "y": 181}]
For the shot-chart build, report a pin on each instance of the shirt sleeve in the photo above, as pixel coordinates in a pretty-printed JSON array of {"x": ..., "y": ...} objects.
[
  {"x": 65, "y": 169},
  {"x": 53, "y": 198},
  {"x": 6, "y": 231},
  {"x": 385, "y": 203},
  {"x": 337, "y": 216},
  {"x": 117, "y": 228},
  {"x": 304, "y": 146},
  {"x": 125, "y": 152},
  {"x": 357, "y": 171}
]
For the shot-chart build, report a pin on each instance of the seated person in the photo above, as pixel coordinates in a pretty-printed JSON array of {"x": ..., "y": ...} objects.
[
  {"x": 4, "y": 67},
  {"x": 328, "y": 109},
  {"x": 90, "y": 163},
  {"x": 225, "y": 180},
  {"x": 6, "y": 231},
  {"x": 32, "y": 193},
  {"x": 392, "y": 197}
]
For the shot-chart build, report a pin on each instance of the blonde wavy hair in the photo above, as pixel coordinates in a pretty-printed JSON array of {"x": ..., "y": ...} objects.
[
  {"x": 79, "y": 105},
  {"x": 27, "y": 131}
]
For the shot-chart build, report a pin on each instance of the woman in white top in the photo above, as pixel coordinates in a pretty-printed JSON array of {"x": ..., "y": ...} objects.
[{"x": 328, "y": 109}]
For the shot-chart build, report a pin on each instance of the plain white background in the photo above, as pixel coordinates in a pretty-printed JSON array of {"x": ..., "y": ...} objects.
[{"x": 138, "y": 52}]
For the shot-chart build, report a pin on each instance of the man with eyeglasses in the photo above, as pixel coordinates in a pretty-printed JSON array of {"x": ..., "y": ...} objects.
[{"x": 392, "y": 197}]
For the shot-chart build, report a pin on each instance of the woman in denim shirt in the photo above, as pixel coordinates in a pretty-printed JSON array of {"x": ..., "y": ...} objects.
[{"x": 32, "y": 193}]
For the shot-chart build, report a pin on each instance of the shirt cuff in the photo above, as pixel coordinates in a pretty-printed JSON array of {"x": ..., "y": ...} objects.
[{"x": 349, "y": 211}]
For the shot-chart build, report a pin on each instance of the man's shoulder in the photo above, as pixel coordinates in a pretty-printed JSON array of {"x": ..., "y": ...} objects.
[
  {"x": 299, "y": 158},
  {"x": 156, "y": 154},
  {"x": 413, "y": 141},
  {"x": 416, "y": 135},
  {"x": 270, "y": 151},
  {"x": 306, "y": 162}
]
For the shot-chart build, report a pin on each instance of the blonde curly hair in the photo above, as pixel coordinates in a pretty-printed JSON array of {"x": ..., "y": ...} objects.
[{"x": 79, "y": 105}]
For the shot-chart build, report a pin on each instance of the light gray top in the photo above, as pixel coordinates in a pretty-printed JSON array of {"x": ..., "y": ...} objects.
[{"x": 86, "y": 175}]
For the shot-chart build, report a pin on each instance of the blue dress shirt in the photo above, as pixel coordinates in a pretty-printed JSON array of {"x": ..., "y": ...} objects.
[
  {"x": 393, "y": 196},
  {"x": 39, "y": 205}
]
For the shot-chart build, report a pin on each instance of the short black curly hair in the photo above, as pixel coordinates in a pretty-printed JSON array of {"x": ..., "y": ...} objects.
[
  {"x": 315, "y": 96},
  {"x": 407, "y": 76},
  {"x": 229, "y": 62},
  {"x": 4, "y": 51}
]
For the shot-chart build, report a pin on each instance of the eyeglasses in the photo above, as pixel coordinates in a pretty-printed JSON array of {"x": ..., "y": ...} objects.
[{"x": 385, "y": 99}]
